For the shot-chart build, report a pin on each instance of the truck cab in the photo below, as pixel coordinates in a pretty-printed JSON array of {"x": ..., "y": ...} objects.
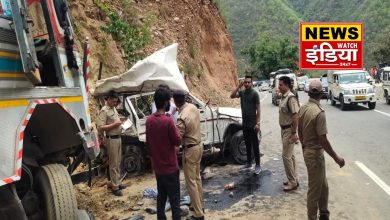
[
  {"x": 385, "y": 77},
  {"x": 46, "y": 130},
  {"x": 276, "y": 94}
]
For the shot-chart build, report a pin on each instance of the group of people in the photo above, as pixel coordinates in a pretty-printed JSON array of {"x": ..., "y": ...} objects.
[
  {"x": 165, "y": 134},
  {"x": 163, "y": 138},
  {"x": 306, "y": 123},
  {"x": 167, "y": 128}
]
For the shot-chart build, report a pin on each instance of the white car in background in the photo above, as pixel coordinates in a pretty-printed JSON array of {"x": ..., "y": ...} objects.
[
  {"x": 350, "y": 87},
  {"x": 301, "y": 82},
  {"x": 308, "y": 82}
]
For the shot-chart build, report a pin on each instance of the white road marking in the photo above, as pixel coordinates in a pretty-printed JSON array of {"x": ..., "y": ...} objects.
[
  {"x": 261, "y": 100},
  {"x": 382, "y": 112},
  {"x": 374, "y": 177}
]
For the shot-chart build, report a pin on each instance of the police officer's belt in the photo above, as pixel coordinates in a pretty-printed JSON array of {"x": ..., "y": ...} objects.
[
  {"x": 285, "y": 126},
  {"x": 113, "y": 136},
  {"x": 190, "y": 145}
]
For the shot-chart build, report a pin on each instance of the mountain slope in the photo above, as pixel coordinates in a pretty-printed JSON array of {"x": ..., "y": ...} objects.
[
  {"x": 252, "y": 19},
  {"x": 205, "y": 52}
]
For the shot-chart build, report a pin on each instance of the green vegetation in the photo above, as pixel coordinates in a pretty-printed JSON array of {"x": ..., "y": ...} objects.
[
  {"x": 131, "y": 37},
  {"x": 250, "y": 21},
  {"x": 192, "y": 46},
  {"x": 191, "y": 69},
  {"x": 268, "y": 55}
]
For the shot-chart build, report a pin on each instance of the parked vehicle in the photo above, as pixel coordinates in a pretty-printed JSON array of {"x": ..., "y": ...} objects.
[
  {"x": 369, "y": 78},
  {"x": 276, "y": 94},
  {"x": 307, "y": 82},
  {"x": 301, "y": 82},
  {"x": 350, "y": 87},
  {"x": 325, "y": 86},
  {"x": 46, "y": 129},
  {"x": 386, "y": 83},
  {"x": 220, "y": 126},
  {"x": 264, "y": 86}
]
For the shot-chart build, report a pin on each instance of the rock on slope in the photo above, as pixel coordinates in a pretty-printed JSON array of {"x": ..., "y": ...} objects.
[{"x": 205, "y": 48}]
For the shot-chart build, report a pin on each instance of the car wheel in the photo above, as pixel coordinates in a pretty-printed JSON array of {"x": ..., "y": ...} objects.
[
  {"x": 133, "y": 160},
  {"x": 238, "y": 147},
  {"x": 371, "y": 105},
  {"x": 387, "y": 98},
  {"x": 332, "y": 101},
  {"x": 343, "y": 106}
]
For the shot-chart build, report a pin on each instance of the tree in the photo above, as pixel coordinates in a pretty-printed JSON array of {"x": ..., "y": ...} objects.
[{"x": 267, "y": 55}]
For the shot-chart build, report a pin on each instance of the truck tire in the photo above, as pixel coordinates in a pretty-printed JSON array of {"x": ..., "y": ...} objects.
[
  {"x": 387, "y": 98},
  {"x": 332, "y": 101},
  {"x": 238, "y": 148},
  {"x": 56, "y": 190},
  {"x": 343, "y": 106},
  {"x": 371, "y": 105},
  {"x": 133, "y": 160}
]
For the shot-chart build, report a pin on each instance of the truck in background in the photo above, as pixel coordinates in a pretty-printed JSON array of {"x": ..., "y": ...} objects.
[
  {"x": 385, "y": 78},
  {"x": 46, "y": 128},
  {"x": 276, "y": 94}
]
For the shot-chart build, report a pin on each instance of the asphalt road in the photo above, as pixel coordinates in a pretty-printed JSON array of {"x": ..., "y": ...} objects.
[{"x": 360, "y": 190}]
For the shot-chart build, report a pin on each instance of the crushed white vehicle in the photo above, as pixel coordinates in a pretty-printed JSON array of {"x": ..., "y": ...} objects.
[{"x": 220, "y": 127}]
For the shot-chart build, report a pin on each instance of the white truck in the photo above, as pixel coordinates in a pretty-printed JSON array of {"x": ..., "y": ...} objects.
[
  {"x": 350, "y": 87},
  {"x": 220, "y": 126},
  {"x": 385, "y": 78},
  {"x": 276, "y": 94},
  {"x": 46, "y": 129}
]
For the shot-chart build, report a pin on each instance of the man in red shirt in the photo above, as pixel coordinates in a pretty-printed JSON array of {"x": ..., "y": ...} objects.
[{"x": 161, "y": 138}]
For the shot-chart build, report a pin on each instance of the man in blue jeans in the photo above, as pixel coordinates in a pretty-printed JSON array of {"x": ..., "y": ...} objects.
[
  {"x": 162, "y": 139},
  {"x": 250, "y": 107}
]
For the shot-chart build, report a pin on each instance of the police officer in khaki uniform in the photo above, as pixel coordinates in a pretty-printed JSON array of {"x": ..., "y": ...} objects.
[
  {"x": 288, "y": 121},
  {"x": 110, "y": 123},
  {"x": 188, "y": 124},
  {"x": 312, "y": 134}
]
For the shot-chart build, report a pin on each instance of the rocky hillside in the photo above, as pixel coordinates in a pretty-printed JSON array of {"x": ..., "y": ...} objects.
[{"x": 205, "y": 48}]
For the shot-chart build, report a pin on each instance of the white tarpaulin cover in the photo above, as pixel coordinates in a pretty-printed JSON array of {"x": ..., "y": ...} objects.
[{"x": 147, "y": 74}]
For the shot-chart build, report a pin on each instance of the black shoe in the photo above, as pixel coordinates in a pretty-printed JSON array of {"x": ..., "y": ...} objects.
[
  {"x": 324, "y": 217},
  {"x": 122, "y": 187},
  {"x": 195, "y": 218},
  {"x": 117, "y": 192}
]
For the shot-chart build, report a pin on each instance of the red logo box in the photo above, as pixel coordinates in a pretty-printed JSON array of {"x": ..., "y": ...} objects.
[{"x": 331, "y": 45}]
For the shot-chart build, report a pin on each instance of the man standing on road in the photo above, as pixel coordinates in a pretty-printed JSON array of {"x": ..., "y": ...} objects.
[
  {"x": 312, "y": 134},
  {"x": 288, "y": 121},
  {"x": 189, "y": 127},
  {"x": 161, "y": 138},
  {"x": 110, "y": 123},
  {"x": 250, "y": 107}
]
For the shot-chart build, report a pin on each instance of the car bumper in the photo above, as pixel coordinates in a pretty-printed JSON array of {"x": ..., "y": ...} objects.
[{"x": 348, "y": 99}]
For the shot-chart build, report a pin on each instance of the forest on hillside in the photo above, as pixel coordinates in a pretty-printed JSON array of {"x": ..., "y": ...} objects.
[{"x": 250, "y": 21}]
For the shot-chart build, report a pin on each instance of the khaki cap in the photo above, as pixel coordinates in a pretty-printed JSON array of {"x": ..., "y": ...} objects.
[{"x": 315, "y": 86}]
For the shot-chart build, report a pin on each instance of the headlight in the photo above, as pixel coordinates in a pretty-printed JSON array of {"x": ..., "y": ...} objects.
[
  {"x": 370, "y": 90},
  {"x": 347, "y": 92}
]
